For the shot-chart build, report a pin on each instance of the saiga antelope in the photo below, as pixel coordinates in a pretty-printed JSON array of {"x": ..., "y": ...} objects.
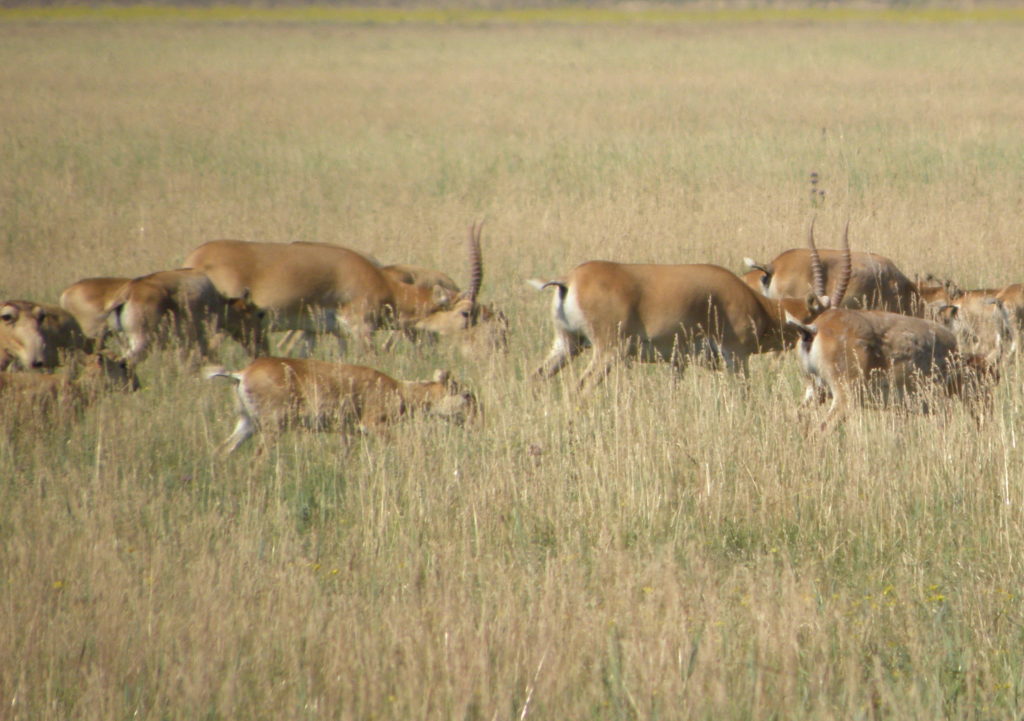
[
  {"x": 317, "y": 287},
  {"x": 400, "y": 272},
  {"x": 875, "y": 283},
  {"x": 280, "y": 392},
  {"x": 663, "y": 313},
  {"x": 179, "y": 305},
  {"x": 851, "y": 353},
  {"x": 979, "y": 320},
  {"x": 971, "y": 315},
  {"x": 61, "y": 332},
  {"x": 474, "y": 327},
  {"x": 87, "y": 300}
]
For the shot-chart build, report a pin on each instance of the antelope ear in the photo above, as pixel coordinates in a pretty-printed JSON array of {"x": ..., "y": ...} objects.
[
  {"x": 441, "y": 295},
  {"x": 948, "y": 310},
  {"x": 818, "y": 304},
  {"x": 807, "y": 331},
  {"x": 442, "y": 376}
]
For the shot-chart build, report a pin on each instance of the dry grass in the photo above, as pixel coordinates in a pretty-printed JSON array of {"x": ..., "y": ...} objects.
[{"x": 666, "y": 550}]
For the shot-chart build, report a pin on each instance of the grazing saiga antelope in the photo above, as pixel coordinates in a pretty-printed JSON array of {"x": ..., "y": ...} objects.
[
  {"x": 663, "y": 313},
  {"x": 982, "y": 318},
  {"x": 935, "y": 292},
  {"x": 87, "y": 300},
  {"x": 277, "y": 393},
  {"x": 475, "y": 328},
  {"x": 854, "y": 354},
  {"x": 979, "y": 320},
  {"x": 179, "y": 305},
  {"x": 317, "y": 287},
  {"x": 875, "y": 281},
  {"x": 401, "y": 273}
]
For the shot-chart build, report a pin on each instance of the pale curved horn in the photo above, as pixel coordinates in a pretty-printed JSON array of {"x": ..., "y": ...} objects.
[
  {"x": 817, "y": 272},
  {"x": 476, "y": 263},
  {"x": 843, "y": 281}
]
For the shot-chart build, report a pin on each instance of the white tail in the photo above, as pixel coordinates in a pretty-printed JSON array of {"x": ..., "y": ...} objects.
[{"x": 211, "y": 372}]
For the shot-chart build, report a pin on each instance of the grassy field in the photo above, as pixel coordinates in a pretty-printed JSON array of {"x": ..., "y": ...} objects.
[{"x": 667, "y": 549}]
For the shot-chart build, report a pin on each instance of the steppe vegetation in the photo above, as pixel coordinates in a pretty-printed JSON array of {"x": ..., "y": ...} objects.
[{"x": 666, "y": 549}]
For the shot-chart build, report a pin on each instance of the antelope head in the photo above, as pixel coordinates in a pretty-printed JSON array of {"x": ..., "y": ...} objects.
[
  {"x": 819, "y": 301},
  {"x": 22, "y": 339},
  {"x": 467, "y": 314},
  {"x": 442, "y": 396}
]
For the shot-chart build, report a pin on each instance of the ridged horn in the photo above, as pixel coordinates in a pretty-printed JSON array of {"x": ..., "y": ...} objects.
[
  {"x": 817, "y": 271},
  {"x": 476, "y": 264},
  {"x": 844, "y": 274}
]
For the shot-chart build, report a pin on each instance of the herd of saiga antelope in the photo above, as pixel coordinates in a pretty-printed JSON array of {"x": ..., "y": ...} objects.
[{"x": 858, "y": 323}]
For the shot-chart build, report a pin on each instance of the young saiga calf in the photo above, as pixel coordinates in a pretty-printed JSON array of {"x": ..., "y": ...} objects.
[{"x": 278, "y": 393}]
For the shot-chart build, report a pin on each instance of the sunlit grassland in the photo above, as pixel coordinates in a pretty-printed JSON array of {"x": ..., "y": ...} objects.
[
  {"x": 473, "y": 14},
  {"x": 670, "y": 548}
]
